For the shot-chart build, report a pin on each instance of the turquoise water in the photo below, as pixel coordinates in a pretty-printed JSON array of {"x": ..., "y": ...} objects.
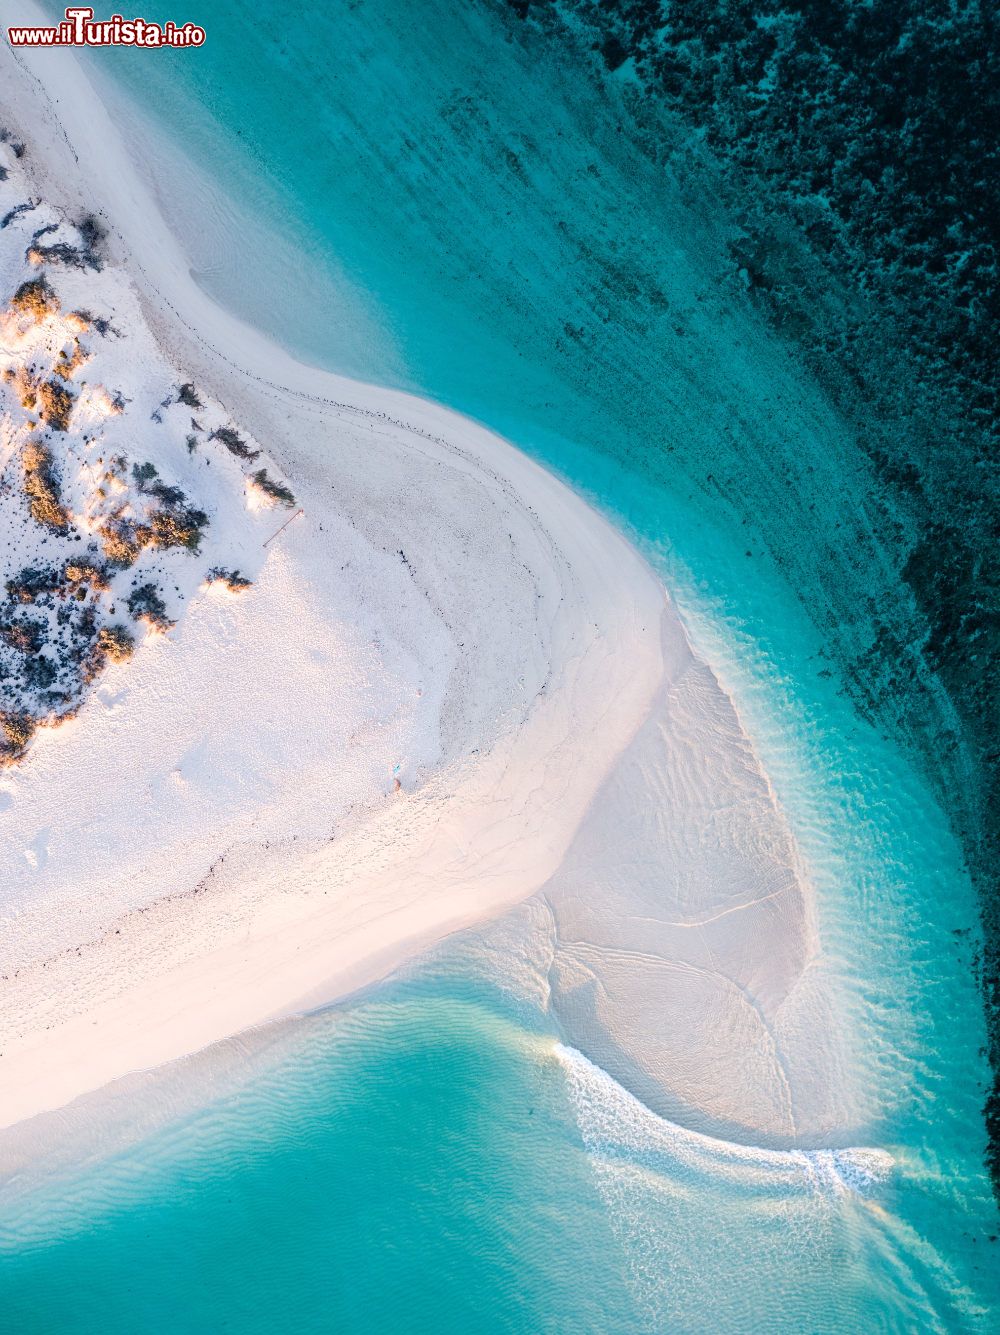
[
  {"x": 496, "y": 225},
  {"x": 407, "y": 1167},
  {"x": 425, "y": 1162}
]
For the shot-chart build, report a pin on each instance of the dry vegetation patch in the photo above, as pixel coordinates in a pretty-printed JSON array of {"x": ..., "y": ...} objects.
[
  {"x": 35, "y": 298},
  {"x": 55, "y": 403},
  {"x": 146, "y": 605},
  {"x": 276, "y": 492},
  {"x": 16, "y": 731},
  {"x": 70, "y": 362},
  {"x": 96, "y": 538},
  {"x": 177, "y": 528},
  {"x": 116, "y": 642},
  {"x": 86, "y": 573},
  {"x": 234, "y": 443},
  {"x": 123, "y": 539},
  {"x": 42, "y": 488},
  {"x": 229, "y": 579}
]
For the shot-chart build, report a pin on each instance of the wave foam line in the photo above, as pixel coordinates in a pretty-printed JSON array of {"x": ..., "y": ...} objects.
[
  {"x": 720, "y": 1235},
  {"x": 615, "y": 1125}
]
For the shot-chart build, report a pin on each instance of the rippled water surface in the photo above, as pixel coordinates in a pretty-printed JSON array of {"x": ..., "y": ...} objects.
[
  {"x": 405, "y": 1167},
  {"x": 426, "y": 1163}
]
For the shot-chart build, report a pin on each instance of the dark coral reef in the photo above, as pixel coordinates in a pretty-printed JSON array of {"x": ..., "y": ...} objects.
[{"x": 858, "y": 148}]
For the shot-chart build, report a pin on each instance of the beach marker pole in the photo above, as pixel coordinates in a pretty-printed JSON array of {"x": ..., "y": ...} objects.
[{"x": 283, "y": 527}]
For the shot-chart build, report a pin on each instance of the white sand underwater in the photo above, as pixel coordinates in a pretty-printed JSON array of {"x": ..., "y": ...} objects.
[{"x": 218, "y": 840}]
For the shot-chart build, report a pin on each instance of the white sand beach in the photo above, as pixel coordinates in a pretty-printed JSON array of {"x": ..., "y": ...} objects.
[{"x": 453, "y": 689}]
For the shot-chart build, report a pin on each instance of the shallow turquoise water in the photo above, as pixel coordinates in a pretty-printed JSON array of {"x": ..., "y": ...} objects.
[
  {"x": 425, "y": 1162},
  {"x": 407, "y": 1168},
  {"x": 485, "y": 215}
]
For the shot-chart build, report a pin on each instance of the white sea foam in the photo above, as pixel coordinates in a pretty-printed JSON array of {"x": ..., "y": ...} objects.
[
  {"x": 799, "y": 1206},
  {"x": 614, "y": 1124}
]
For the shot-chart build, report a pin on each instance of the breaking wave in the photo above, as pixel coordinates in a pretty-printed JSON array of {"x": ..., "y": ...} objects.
[{"x": 805, "y": 1211}]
